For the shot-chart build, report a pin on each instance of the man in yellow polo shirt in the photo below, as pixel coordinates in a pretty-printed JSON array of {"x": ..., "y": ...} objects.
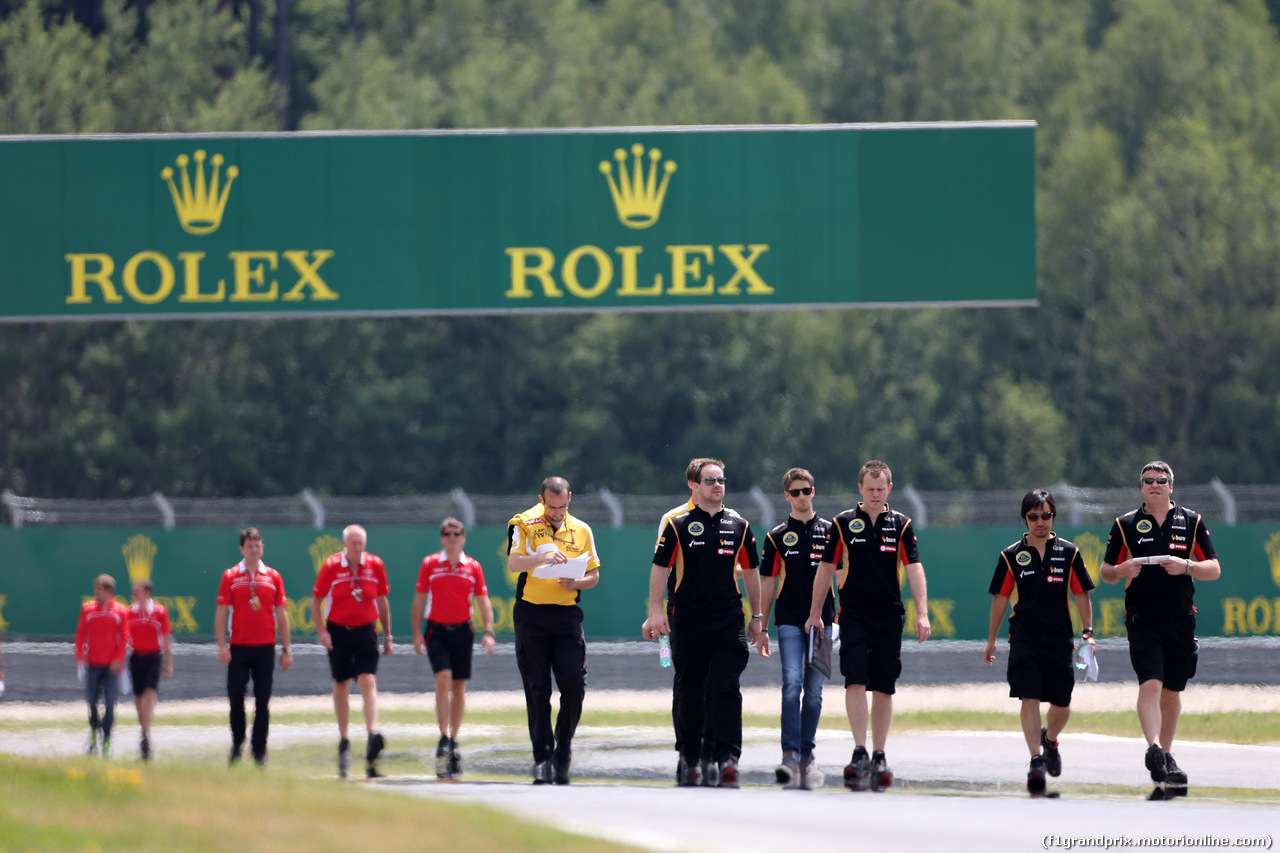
[{"x": 545, "y": 540}]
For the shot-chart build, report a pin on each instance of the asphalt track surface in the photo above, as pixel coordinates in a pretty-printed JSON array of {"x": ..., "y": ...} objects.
[
  {"x": 45, "y": 672},
  {"x": 955, "y": 791}
]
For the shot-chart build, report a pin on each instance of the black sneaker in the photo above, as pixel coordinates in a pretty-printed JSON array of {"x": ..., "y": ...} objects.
[
  {"x": 233, "y": 757},
  {"x": 344, "y": 758},
  {"x": 144, "y": 748},
  {"x": 1156, "y": 763},
  {"x": 1052, "y": 758},
  {"x": 728, "y": 773},
  {"x": 542, "y": 773},
  {"x": 560, "y": 771},
  {"x": 881, "y": 775},
  {"x": 372, "y": 750},
  {"x": 455, "y": 759},
  {"x": 442, "y": 758},
  {"x": 261, "y": 761},
  {"x": 1173, "y": 774},
  {"x": 710, "y": 773},
  {"x": 1035, "y": 776},
  {"x": 688, "y": 775},
  {"x": 857, "y": 775},
  {"x": 376, "y": 744}
]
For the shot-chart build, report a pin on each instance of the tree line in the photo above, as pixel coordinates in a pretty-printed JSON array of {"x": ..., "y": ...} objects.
[{"x": 1158, "y": 208}]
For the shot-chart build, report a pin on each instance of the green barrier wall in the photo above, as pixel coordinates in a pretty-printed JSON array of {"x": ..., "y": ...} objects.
[
  {"x": 49, "y": 572},
  {"x": 652, "y": 219}
]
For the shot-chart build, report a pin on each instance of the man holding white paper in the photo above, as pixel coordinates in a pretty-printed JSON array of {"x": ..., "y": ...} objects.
[
  {"x": 1046, "y": 571},
  {"x": 545, "y": 547},
  {"x": 1159, "y": 550}
]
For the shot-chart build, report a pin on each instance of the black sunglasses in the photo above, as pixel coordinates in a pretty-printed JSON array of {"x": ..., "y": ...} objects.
[
  {"x": 711, "y": 481},
  {"x": 1047, "y": 516},
  {"x": 795, "y": 493},
  {"x": 1150, "y": 480}
]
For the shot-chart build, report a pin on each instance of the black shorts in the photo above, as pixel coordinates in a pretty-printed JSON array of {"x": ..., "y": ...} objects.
[
  {"x": 144, "y": 670},
  {"x": 871, "y": 651},
  {"x": 1036, "y": 672},
  {"x": 449, "y": 647},
  {"x": 355, "y": 650},
  {"x": 1164, "y": 650}
]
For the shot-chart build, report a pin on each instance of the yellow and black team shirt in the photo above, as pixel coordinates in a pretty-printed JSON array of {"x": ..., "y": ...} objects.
[
  {"x": 1042, "y": 614},
  {"x": 529, "y": 531},
  {"x": 792, "y": 552},
  {"x": 871, "y": 554},
  {"x": 702, "y": 550},
  {"x": 1183, "y": 535}
]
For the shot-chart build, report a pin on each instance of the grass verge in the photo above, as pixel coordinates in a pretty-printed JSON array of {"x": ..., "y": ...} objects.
[{"x": 80, "y": 804}]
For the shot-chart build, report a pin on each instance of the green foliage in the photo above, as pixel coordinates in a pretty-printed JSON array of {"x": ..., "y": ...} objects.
[{"x": 1159, "y": 220}]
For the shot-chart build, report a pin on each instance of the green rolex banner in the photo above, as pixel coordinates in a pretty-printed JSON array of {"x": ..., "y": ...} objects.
[{"x": 653, "y": 219}]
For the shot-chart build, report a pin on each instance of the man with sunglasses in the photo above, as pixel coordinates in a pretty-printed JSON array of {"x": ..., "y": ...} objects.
[
  {"x": 707, "y": 764},
  {"x": 548, "y": 622},
  {"x": 448, "y": 582},
  {"x": 1159, "y": 550},
  {"x": 705, "y": 544},
  {"x": 869, "y": 543},
  {"x": 792, "y": 552},
  {"x": 1046, "y": 571}
]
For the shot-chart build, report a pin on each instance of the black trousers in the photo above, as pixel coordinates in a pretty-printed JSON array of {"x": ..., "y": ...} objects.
[
  {"x": 709, "y": 650},
  {"x": 549, "y": 641},
  {"x": 258, "y": 663}
]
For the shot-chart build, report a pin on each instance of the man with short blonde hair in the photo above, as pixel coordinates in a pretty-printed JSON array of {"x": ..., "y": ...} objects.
[
  {"x": 869, "y": 543},
  {"x": 102, "y": 635}
]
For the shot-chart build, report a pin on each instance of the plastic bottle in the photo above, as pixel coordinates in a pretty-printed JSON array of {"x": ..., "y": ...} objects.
[
  {"x": 664, "y": 650},
  {"x": 1081, "y": 663}
]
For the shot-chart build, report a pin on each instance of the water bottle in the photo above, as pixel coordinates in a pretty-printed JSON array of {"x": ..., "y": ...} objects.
[
  {"x": 664, "y": 650},
  {"x": 1081, "y": 663}
]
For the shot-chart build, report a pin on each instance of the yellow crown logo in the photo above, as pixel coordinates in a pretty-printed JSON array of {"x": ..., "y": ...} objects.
[
  {"x": 200, "y": 207},
  {"x": 1091, "y": 551},
  {"x": 139, "y": 552},
  {"x": 322, "y": 549},
  {"x": 1273, "y": 556},
  {"x": 637, "y": 198}
]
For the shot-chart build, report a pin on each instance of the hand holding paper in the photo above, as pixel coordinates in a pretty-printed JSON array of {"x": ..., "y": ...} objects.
[{"x": 574, "y": 568}]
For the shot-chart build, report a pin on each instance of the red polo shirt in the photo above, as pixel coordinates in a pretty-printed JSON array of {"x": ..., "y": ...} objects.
[
  {"x": 450, "y": 588},
  {"x": 351, "y": 595},
  {"x": 249, "y": 626},
  {"x": 148, "y": 626},
  {"x": 102, "y": 632}
]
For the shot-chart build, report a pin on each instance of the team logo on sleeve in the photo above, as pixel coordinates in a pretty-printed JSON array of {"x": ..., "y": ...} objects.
[
  {"x": 857, "y": 525},
  {"x": 696, "y": 528},
  {"x": 1023, "y": 558},
  {"x": 1144, "y": 526},
  {"x": 790, "y": 538}
]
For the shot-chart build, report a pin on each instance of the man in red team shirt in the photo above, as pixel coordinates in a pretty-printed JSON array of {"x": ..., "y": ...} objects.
[
  {"x": 148, "y": 630},
  {"x": 447, "y": 584},
  {"x": 252, "y": 594},
  {"x": 347, "y": 603},
  {"x": 101, "y": 637}
]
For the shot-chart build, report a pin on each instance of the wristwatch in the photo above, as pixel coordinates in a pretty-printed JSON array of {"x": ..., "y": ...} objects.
[
  {"x": 1086, "y": 633},
  {"x": 759, "y": 616}
]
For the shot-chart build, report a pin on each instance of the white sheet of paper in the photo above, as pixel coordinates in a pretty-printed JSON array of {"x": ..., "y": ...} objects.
[
  {"x": 575, "y": 568},
  {"x": 1153, "y": 561}
]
